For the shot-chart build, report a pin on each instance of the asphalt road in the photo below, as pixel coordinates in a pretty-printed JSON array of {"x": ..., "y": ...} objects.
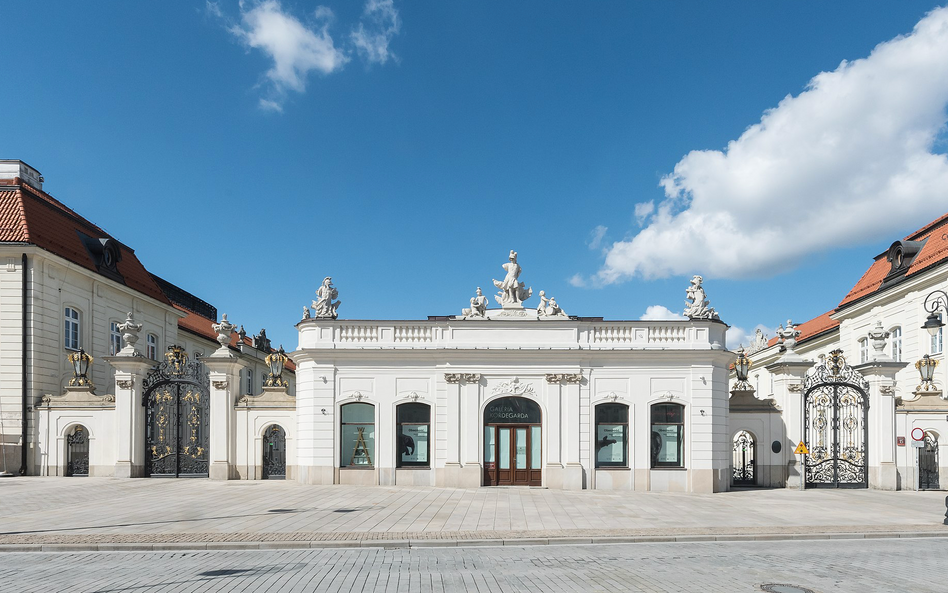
[{"x": 889, "y": 565}]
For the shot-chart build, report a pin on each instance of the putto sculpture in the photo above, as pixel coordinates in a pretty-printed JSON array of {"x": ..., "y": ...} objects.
[
  {"x": 325, "y": 305},
  {"x": 512, "y": 292},
  {"x": 548, "y": 307},
  {"x": 696, "y": 302}
]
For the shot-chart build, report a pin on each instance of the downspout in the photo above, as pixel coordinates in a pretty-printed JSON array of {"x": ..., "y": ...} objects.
[{"x": 24, "y": 437}]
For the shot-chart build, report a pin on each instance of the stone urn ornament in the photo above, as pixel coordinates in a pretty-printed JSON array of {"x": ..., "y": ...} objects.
[{"x": 224, "y": 330}]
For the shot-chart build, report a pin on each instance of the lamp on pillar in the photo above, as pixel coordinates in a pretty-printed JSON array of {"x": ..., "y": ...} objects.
[
  {"x": 926, "y": 369},
  {"x": 277, "y": 362},
  {"x": 741, "y": 366},
  {"x": 80, "y": 368}
]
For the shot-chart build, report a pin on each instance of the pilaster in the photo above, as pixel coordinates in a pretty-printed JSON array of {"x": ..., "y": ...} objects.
[
  {"x": 883, "y": 468},
  {"x": 788, "y": 393}
]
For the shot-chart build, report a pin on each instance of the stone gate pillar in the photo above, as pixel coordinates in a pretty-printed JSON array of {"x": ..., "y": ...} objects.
[
  {"x": 131, "y": 368},
  {"x": 224, "y": 369},
  {"x": 788, "y": 374},
  {"x": 883, "y": 466}
]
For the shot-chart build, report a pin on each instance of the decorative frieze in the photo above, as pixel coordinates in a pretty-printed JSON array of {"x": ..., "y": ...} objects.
[
  {"x": 514, "y": 387},
  {"x": 795, "y": 387},
  {"x": 125, "y": 383},
  {"x": 220, "y": 384},
  {"x": 462, "y": 378},
  {"x": 570, "y": 378},
  {"x": 887, "y": 389}
]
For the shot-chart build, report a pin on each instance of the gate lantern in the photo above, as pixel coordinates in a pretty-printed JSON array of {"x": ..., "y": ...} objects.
[
  {"x": 926, "y": 368},
  {"x": 741, "y": 366},
  {"x": 277, "y": 362},
  {"x": 80, "y": 367}
]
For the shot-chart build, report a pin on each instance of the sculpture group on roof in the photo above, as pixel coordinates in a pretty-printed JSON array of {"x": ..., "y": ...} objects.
[{"x": 696, "y": 302}]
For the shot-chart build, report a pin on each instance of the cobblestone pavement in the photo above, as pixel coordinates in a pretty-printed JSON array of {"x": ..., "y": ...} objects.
[
  {"x": 848, "y": 566},
  {"x": 101, "y": 510}
]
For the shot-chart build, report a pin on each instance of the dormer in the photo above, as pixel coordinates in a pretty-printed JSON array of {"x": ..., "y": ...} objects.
[
  {"x": 105, "y": 253},
  {"x": 900, "y": 257}
]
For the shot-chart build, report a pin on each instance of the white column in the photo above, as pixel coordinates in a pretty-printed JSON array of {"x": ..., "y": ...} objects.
[
  {"x": 788, "y": 392},
  {"x": 129, "y": 415},
  {"x": 883, "y": 469}
]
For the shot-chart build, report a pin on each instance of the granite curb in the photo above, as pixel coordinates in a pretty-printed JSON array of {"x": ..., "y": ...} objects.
[{"x": 454, "y": 543}]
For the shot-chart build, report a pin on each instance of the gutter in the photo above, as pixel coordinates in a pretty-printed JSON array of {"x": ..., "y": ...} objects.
[{"x": 25, "y": 396}]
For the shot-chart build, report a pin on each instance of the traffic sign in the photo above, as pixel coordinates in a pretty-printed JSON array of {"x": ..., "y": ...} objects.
[
  {"x": 801, "y": 449},
  {"x": 918, "y": 434}
]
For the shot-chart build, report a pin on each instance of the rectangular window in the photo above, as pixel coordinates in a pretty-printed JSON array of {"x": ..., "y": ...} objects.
[
  {"x": 936, "y": 339},
  {"x": 864, "y": 350},
  {"x": 413, "y": 424},
  {"x": 896, "y": 335},
  {"x": 668, "y": 435},
  {"x": 612, "y": 435},
  {"x": 152, "y": 347},
  {"x": 115, "y": 338},
  {"x": 71, "y": 334},
  {"x": 358, "y": 435},
  {"x": 250, "y": 381}
]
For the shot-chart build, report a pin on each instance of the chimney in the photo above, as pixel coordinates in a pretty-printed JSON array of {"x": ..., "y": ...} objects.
[{"x": 15, "y": 168}]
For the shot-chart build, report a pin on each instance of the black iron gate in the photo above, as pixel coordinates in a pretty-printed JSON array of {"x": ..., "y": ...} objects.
[
  {"x": 743, "y": 459},
  {"x": 77, "y": 452},
  {"x": 835, "y": 423},
  {"x": 928, "y": 463},
  {"x": 274, "y": 453},
  {"x": 176, "y": 417}
]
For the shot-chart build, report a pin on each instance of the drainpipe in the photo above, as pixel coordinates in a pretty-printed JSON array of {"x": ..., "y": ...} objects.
[{"x": 25, "y": 403}]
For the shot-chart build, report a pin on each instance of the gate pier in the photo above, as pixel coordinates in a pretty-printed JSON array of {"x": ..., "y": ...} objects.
[
  {"x": 224, "y": 371},
  {"x": 130, "y": 372},
  {"x": 788, "y": 392},
  {"x": 883, "y": 467}
]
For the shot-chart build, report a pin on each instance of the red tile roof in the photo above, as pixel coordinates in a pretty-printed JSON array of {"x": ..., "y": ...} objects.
[
  {"x": 935, "y": 251},
  {"x": 812, "y": 328},
  {"x": 201, "y": 326},
  {"x": 28, "y": 215}
]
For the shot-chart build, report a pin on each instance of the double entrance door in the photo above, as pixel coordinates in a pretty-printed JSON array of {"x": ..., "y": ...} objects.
[{"x": 512, "y": 455}]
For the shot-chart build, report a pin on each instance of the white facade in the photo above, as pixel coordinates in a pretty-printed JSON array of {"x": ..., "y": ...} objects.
[{"x": 460, "y": 366}]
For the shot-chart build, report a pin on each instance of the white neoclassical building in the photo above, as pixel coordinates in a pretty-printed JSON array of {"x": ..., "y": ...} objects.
[{"x": 513, "y": 395}]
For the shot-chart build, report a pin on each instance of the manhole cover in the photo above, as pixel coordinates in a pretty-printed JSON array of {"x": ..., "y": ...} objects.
[{"x": 772, "y": 588}]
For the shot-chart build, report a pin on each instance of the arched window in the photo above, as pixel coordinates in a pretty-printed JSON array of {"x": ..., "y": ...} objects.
[
  {"x": 896, "y": 335},
  {"x": 71, "y": 338},
  {"x": 612, "y": 435},
  {"x": 152, "y": 346},
  {"x": 863, "y": 350},
  {"x": 668, "y": 435},
  {"x": 358, "y": 435},
  {"x": 115, "y": 338},
  {"x": 413, "y": 429}
]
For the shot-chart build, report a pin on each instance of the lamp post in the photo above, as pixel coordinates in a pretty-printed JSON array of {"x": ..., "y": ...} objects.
[
  {"x": 277, "y": 362},
  {"x": 936, "y": 300},
  {"x": 80, "y": 368},
  {"x": 926, "y": 368}
]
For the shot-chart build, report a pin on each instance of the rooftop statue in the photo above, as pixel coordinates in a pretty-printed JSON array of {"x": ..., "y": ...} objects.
[
  {"x": 325, "y": 305},
  {"x": 696, "y": 302},
  {"x": 478, "y": 308},
  {"x": 512, "y": 291},
  {"x": 788, "y": 339},
  {"x": 548, "y": 307},
  {"x": 759, "y": 343}
]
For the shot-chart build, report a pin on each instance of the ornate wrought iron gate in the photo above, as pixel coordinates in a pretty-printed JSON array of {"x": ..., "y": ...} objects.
[
  {"x": 743, "y": 459},
  {"x": 928, "y": 463},
  {"x": 176, "y": 417},
  {"x": 77, "y": 452},
  {"x": 274, "y": 453},
  {"x": 835, "y": 422}
]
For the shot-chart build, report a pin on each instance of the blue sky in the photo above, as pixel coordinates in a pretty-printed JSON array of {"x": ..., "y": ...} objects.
[{"x": 245, "y": 151}]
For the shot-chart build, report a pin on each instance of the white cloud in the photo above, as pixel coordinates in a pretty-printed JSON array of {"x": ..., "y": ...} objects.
[
  {"x": 379, "y": 24},
  {"x": 577, "y": 280},
  {"x": 848, "y": 160},
  {"x": 296, "y": 48},
  {"x": 596, "y": 236},
  {"x": 643, "y": 210},
  {"x": 661, "y": 313}
]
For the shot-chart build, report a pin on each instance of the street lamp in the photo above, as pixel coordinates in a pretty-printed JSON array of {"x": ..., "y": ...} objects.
[
  {"x": 741, "y": 366},
  {"x": 933, "y": 302},
  {"x": 80, "y": 368},
  {"x": 277, "y": 362}
]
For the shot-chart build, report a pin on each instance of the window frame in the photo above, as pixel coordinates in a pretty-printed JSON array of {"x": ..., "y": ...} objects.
[
  {"x": 76, "y": 323},
  {"x": 624, "y": 464},
  {"x": 895, "y": 350},
  {"x": 863, "y": 344},
  {"x": 936, "y": 343},
  {"x": 399, "y": 423},
  {"x": 151, "y": 346},
  {"x": 342, "y": 437},
  {"x": 115, "y": 338},
  {"x": 249, "y": 381},
  {"x": 654, "y": 463}
]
